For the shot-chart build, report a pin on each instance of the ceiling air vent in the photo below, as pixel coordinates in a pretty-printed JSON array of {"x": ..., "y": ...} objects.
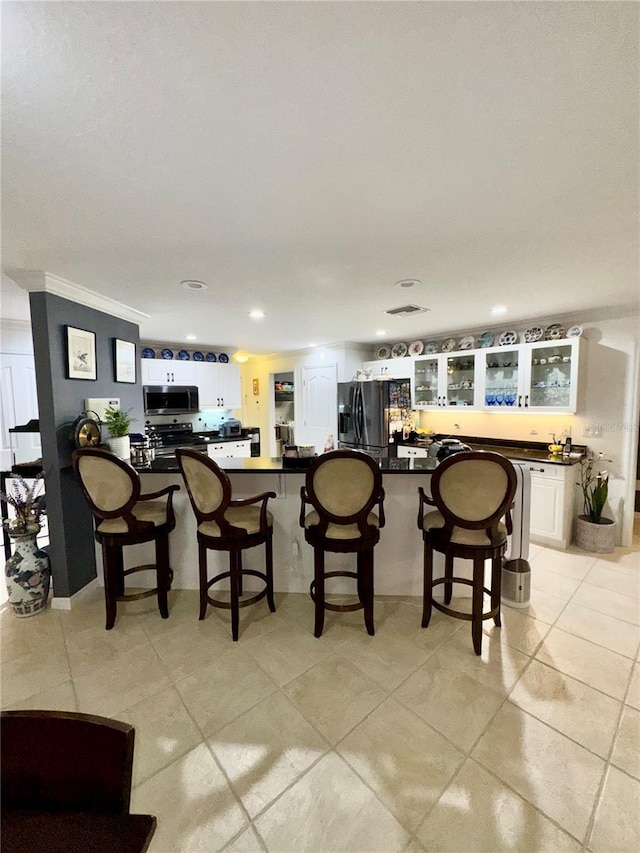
[{"x": 406, "y": 310}]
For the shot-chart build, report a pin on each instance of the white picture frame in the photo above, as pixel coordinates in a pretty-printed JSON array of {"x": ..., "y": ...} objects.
[{"x": 124, "y": 361}]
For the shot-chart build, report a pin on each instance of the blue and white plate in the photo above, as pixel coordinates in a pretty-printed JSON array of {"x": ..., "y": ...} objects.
[
  {"x": 223, "y": 358},
  {"x": 166, "y": 353},
  {"x": 147, "y": 352},
  {"x": 183, "y": 355},
  {"x": 211, "y": 356},
  {"x": 486, "y": 339},
  {"x": 197, "y": 356}
]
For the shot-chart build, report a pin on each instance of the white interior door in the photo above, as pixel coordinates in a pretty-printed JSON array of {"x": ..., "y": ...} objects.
[
  {"x": 19, "y": 405},
  {"x": 319, "y": 406}
]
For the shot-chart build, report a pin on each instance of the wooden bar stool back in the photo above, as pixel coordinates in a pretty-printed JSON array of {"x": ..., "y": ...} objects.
[
  {"x": 124, "y": 516},
  {"x": 343, "y": 487},
  {"x": 473, "y": 492},
  {"x": 229, "y": 525}
]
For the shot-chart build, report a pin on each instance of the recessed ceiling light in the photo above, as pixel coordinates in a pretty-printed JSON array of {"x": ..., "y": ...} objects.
[
  {"x": 192, "y": 284},
  {"x": 381, "y": 333},
  {"x": 313, "y": 344},
  {"x": 408, "y": 282},
  {"x": 242, "y": 358},
  {"x": 190, "y": 338},
  {"x": 499, "y": 309},
  {"x": 256, "y": 314}
]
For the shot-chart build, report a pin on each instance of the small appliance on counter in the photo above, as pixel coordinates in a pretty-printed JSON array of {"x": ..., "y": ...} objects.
[
  {"x": 231, "y": 428},
  {"x": 441, "y": 448},
  {"x": 165, "y": 438}
]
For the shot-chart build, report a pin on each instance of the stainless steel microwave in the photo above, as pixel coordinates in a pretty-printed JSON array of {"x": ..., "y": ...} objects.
[{"x": 170, "y": 399}]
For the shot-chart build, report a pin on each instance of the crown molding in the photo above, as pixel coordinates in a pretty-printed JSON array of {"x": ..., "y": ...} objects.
[{"x": 36, "y": 281}]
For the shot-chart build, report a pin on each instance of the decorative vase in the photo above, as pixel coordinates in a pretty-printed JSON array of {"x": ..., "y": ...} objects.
[
  {"x": 28, "y": 575},
  {"x": 120, "y": 446},
  {"x": 599, "y": 538}
]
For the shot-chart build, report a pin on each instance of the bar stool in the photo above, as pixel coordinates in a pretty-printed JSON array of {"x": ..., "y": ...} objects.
[
  {"x": 124, "y": 516},
  {"x": 343, "y": 486},
  {"x": 227, "y": 525},
  {"x": 472, "y": 492}
]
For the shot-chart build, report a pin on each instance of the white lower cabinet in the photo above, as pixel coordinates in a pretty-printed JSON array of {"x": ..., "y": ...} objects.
[
  {"x": 552, "y": 504},
  {"x": 229, "y": 449},
  {"x": 405, "y": 452}
]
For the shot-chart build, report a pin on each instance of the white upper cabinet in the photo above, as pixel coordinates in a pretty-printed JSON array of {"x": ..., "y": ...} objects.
[
  {"x": 390, "y": 368},
  {"x": 156, "y": 371},
  {"x": 444, "y": 380},
  {"x": 218, "y": 385}
]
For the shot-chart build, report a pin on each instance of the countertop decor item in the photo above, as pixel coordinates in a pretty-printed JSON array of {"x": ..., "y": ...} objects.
[
  {"x": 574, "y": 331},
  {"x": 535, "y": 333},
  {"x": 594, "y": 532},
  {"x": 554, "y": 332},
  {"x": 416, "y": 348},
  {"x": 508, "y": 338},
  {"x": 398, "y": 350},
  {"x": 85, "y": 431},
  {"x": 118, "y": 423},
  {"x": 166, "y": 353},
  {"x": 467, "y": 342},
  {"x": 486, "y": 339},
  {"x": 448, "y": 345},
  {"x": 183, "y": 355},
  {"x": 431, "y": 347},
  {"x": 211, "y": 356},
  {"x": 198, "y": 356},
  {"x": 223, "y": 358},
  {"x": 383, "y": 351},
  {"x": 147, "y": 352}
]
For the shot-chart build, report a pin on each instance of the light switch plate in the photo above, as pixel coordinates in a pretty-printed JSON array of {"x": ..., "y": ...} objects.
[{"x": 99, "y": 404}]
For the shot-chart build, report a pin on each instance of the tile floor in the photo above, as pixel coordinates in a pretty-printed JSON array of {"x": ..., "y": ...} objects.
[{"x": 405, "y": 741}]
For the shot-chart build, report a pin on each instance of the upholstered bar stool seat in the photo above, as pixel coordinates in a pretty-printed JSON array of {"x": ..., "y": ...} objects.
[
  {"x": 123, "y": 516},
  {"x": 343, "y": 486},
  {"x": 473, "y": 491},
  {"x": 229, "y": 525}
]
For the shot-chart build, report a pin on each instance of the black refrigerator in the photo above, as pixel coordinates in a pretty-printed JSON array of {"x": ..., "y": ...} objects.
[{"x": 365, "y": 411}]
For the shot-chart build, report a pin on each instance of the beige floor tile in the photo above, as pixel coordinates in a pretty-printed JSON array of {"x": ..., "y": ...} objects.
[
  {"x": 61, "y": 697},
  {"x": 191, "y": 646},
  {"x": 218, "y": 693},
  {"x": 196, "y": 810},
  {"x": 265, "y": 750},
  {"x": 601, "y": 668},
  {"x": 288, "y": 652},
  {"x": 184, "y": 606},
  {"x": 388, "y": 660},
  {"x": 454, "y": 703},
  {"x": 33, "y": 673},
  {"x": 614, "y": 634},
  {"x": 573, "y": 708},
  {"x": 91, "y": 615},
  {"x": 246, "y": 842},
  {"x": 551, "y": 772},
  {"x": 614, "y": 604},
  {"x": 497, "y": 668},
  {"x": 519, "y": 630},
  {"x": 633, "y": 696},
  {"x": 255, "y": 620},
  {"x": 545, "y": 578},
  {"x": 330, "y": 809},
  {"x": 571, "y": 564},
  {"x": 406, "y": 623},
  {"x": 626, "y": 752},
  {"x": 90, "y": 645},
  {"x": 623, "y": 558},
  {"x": 334, "y": 696},
  {"x": 478, "y": 813},
  {"x": 124, "y": 681},
  {"x": 22, "y": 636},
  {"x": 616, "y": 577},
  {"x": 393, "y": 737},
  {"x": 164, "y": 732},
  {"x": 617, "y": 823},
  {"x": 544, "y": 606}
]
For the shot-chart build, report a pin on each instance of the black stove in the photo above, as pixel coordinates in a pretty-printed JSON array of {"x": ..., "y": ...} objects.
[{"x": 166, "y": 438}]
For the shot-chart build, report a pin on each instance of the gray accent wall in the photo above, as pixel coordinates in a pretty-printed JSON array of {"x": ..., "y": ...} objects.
[{"x": 60, "y": 401}]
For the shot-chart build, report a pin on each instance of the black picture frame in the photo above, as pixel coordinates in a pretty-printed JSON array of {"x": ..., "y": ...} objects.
[
  {"x": 124, "y": 361},
  {"x": 81, "y": 354}
]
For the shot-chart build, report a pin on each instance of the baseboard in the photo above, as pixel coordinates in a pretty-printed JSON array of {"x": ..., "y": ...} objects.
[{"x": 79, "y": 597}]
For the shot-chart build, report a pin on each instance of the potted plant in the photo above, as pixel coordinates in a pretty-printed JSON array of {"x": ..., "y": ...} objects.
[
  {"x": 27, "y": 571},
  {"x": 118, "y": 423},
  {"x": 594, "y": 532}
]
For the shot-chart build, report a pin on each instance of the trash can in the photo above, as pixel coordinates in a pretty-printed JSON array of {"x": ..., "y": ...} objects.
[{"x": 516, "y": 583}]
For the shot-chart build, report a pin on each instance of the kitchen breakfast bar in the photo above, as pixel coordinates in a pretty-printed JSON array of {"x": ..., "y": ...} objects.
[{"x": 398, "y": 555}]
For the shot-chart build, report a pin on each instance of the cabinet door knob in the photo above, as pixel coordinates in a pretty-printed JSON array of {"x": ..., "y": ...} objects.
[
  {"x": 520, "y": 400},
  {"x": 541, "y": 470},
  {"x": 526, "y": 400}
]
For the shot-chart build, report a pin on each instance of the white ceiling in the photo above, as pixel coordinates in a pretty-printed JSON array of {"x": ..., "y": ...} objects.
[{"x": 303, "y": 157}]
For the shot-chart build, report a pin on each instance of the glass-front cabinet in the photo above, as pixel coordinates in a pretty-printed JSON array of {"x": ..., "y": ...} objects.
[
  {"x": 426, "y": 382},
  {"x": 460, "y": 381},
  {"x": 444, "y": 380},
  {"x": 501, "y": 372}
]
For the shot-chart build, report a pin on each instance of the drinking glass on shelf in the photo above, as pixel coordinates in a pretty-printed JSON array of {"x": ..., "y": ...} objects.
[
  {"x": 499, "y": 398},
  {"x": 510, "y": 398},
  {"x": 490, "y": 399}
]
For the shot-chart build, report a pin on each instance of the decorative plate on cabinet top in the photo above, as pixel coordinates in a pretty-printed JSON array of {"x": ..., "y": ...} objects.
[
  {"x": 166, "y": 353},
  {"x": 486, "y": 339},
  {"x": 507, "y": 338},
  {"x": 223, "y": 358},
  {"x": 198, "y": 356},
  {"x": 553, "y": 332},
  {"x": 211, "y": 356},
  {"x": 431, "y": 347},
  {"x": 416, "y": 348},
  {"x": 147, "y": 352},
  {"x": 467, "y": 343},
  {"x": 574, "y": 331},
  {"x": 398, "y": 350},
  {"x": 533, "y": 334},
  {"x": 183, "y": 355},
  {"x": 383, "y": 351},
  {"x": 448, "y": 345}
]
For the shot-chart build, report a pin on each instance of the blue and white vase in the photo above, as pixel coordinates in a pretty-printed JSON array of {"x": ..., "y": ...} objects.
[{"x": 28, "y": 575}]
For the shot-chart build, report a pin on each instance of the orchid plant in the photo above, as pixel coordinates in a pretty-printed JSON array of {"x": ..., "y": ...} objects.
[{"x": 594, "y": 483}]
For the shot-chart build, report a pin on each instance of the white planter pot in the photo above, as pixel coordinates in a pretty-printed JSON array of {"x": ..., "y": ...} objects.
[
  {"x": 596, "y": 538},
  {"x": 120, "y": 447}
]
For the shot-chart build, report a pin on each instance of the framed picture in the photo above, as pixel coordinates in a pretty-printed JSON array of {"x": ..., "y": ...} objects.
[
  {"x": 81, "y": 354},
  {"x": 256, "y": 387},
  {"x": 124, "y": 360}
]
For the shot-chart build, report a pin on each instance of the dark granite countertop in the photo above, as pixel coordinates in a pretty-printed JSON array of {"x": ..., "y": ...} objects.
[
  {"x": 274, "y": 465},
  {"x": 520, "y": 450}
]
